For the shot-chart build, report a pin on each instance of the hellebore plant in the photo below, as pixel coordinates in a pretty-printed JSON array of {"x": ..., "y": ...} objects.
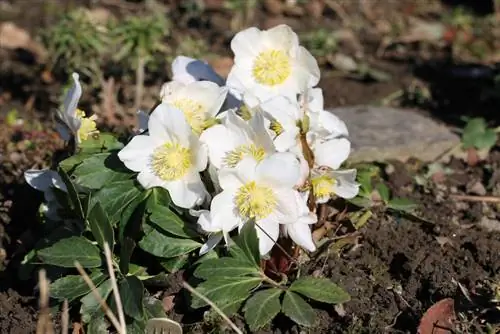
[{"x": 223, "y": 175}]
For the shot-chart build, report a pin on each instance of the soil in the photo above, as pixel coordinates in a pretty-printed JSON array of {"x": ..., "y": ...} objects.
[{"x": 395, "y": 267}]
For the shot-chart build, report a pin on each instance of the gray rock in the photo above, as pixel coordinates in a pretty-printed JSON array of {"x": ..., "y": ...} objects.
[{"x": 383, "y": 133}]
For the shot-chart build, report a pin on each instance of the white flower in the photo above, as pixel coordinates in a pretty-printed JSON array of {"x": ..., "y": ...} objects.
[
  {"x": 235, "y": 139},
  {"x": 187, "y": 70},
  {"x": 328, "y": 182},
  {"x": 46, "y": 181},
  {"x": 258, "y": 191},
  {"x": 213, "y": 228},
  {"x": 72, "y": 121},
  {"x": 171, "y": 157},
  {"x": 300, "y": 231},
  {"x": 200, "y": 101},
  {"x": 270, "y": 62}
]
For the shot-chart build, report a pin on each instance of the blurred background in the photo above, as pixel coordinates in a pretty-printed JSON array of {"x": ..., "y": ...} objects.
[{"x": 441, "y": 57}]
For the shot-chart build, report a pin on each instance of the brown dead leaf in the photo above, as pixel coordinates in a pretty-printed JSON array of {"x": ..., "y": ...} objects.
[
  {"x": 472, "y": 157},
  {"x": 12, "y": 37},
  {"x": 438, "y": 319},
  {"x": 168, "y": 303}
]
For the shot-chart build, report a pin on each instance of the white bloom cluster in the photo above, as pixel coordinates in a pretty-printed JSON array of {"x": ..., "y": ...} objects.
[{"x": 262, "y": 139}]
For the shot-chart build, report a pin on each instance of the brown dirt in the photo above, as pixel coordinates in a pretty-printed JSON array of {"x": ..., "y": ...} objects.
[{"x": 17, "y": 313}]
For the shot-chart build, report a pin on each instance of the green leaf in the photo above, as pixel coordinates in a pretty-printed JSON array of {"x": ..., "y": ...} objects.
[
  {"x": 115, "y": 197},
  {"x": 70, "y": 163},
  {"x": 159, "y": 196},
  {"x": 175, "y": 264},
  {"x": 72, "y": 193},
  {"x": 65, "y": 252},
  {"x": 262, "y": 307},
  {"x": 73, "y": 286},
  {"x": 383, "y": 192},
  {"x": 153, "y": 307},
  {"x": 168, "y": 221},
  {"x": 126, "y": 250},
  {"x": 97, "y": 325},
  {"x": 225, "y": 267},
  {"x": 248, "y": 242},
  {"x": 101, "y": 169},
  {"x": 132, "y": 293},
  {"x": 226, "y": 293},
  {"x": 477, "y": 134},
  {"x": 133, "y": 212},
  {"x": 161, "y": 245},
  {"x": 101, "y": 227},
  {"x": 90, "y": 306},
  {"x": 402, "y": 204},
  {"x": 103, "y": 143},
  {"x": 320, "y": 289},
  {"x": 297, "y": 309}
]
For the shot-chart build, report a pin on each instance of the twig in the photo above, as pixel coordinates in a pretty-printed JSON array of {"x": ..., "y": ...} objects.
[
  {"x": 471, "y": 198},
  {"x": 212, "y": 305},
  {"x": 65, "y": 317},
  {"x": 139, "y": 82},
  {"x": 116, "y": 292},
  {"x": 339, "y": 10},
  {"x": 97, "y": 296},
  {"x": 44, "y": 325}
]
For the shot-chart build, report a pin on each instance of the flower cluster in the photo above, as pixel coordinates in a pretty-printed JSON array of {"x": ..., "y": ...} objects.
[{"x": 258, "y": 146}]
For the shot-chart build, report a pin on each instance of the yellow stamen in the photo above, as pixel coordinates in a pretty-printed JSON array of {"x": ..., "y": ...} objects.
[
  {"x": 88, "y": 125},
  {"x": 271, "y": 67},
  {"x": 194, "y": 113},
  {"x": 255, "y": 201},
  {"x": 322, "y": 185},
  {"x": 276, "y": 127},
  {"x": 171, "y": 161},
  {"x": 233, "y": 157},
  {"x": 245, "y": 113}
]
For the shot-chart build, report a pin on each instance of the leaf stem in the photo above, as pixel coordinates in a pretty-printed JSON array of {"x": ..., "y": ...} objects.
[{"x": 271, "y": 281}]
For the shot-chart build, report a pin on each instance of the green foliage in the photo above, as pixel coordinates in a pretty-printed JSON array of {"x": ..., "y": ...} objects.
[
  {"x": 238, "y": 282},
  {"x": 320, "y": 42},
  {"x": 477, "y": 135}
]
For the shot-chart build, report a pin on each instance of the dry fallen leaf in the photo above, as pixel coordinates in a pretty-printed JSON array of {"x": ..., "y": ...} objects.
[
  {"x": 12, "y": 37},
  {"x": 438, "y": 319}
]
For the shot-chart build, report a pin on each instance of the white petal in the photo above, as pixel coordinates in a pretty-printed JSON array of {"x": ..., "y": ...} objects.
[
  {"x": 205, "y": 220},
  {"x": 39, "y": 179},
  {"x": 286, "y": 140},
  {"x": 332, "y": 153},
  {"x": 229, "y": 178},
  {"x": 186, "y": 195},
  {"x": 63, "y": 131},
  {"x": 279, "y": 169},
  {"x": 68, "y": 114},
  {"x": 282, "y": 37},
  {"x": 218, "y": 138},
  {"x": 310, "y": 66},
  {"x": 261, "y": 135},
  {"x": 287, "y": 210},
  {"x": 246, "y": 43},
  {"x": 332, "y": 124},
  {"x": 187, "y": 70},
  {"x": 223, "y": 212},
  {"x": 301, "y": 234},
  {"x": 137, "y": 153},
  {"x": 200, "y": 152},
  {"x": 149, "y": 180},
  {"x": 345, "y": 185},
  {"x": 212, "y": 241},
  {"x": 268, "y": 233},
  {"x": 169, "y": 124}
]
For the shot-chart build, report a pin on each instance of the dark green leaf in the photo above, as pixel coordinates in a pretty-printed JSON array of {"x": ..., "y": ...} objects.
[
  {"x": 97, "y": 325},
  {"x": 248, "y": 242},
  {"x": 361, "y": 202},
  {"x": 65, "y": 252},
  {"x": 161, "y": 245},
  {"x": 225, "y": 267},
  {"x": 153, "y": 308},
  {"x": 126, "y": 250},
  {"x": 73, "y": 286},
  {"x": 99, "y": 170},
  {"x": 115, "y": 197},
  {"x": 226, "y": 293},
  {"x": 136, "y": 327},
  {"x": 168, "y": 221},
  {"x": 72, "y": 193},
  {"x": 262, "y": 307},
  {"x": 132, "y": 293},
  {"x": 133, "y": 212},
  {"x": 402, "y": 204},
  {"x": 297, "y": 309},
  {"x": 103, "y": 143},
  {"x": 320, "y": 289},
  {"x": 70, "y": 163},
  {"x": 383, "y": 192},
  {"x": 477, "y": 134},
  {"x": 90, "y": 306},
  {"x": 173, "y": 265},
  {"x": 159, "y": 196},
  {"x": 101, "y": 227}
]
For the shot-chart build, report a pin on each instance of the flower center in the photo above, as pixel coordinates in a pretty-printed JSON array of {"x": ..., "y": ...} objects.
[
  {"x": 255, "y": 201},
  {"x": 276, "y": 127},
  {"x": 88, "y": 125},
  {"x": 171, "y": 161},
  {"x": 194, "y": 112},
  {"x": 271, "y": 67},
  {"x": 233, "y": 157},
  {"x": 322, "y": 185}
]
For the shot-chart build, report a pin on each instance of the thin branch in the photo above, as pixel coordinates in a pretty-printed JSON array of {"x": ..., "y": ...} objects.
[
  {"x": 44, "y": 325},
  {"x": 471, "y": 198},
  {"x": 139, "y": 82},
  {"x": 97, "y": 296},
  {"x": 116, "y": 292},
  {"x": 212, "y": 305},
  {"x": 65, "y": 317}
]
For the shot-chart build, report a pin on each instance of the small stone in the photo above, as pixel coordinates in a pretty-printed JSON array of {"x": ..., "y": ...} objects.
[
  {"x": 383, "y": 133},
  {"x": 476, "y": 188}
]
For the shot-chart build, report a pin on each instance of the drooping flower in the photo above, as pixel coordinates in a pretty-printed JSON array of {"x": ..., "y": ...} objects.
[
  {"x": 235, "y": 139},
  {"x": 214, "y": 228},
  {"x": 46, "y": 180},
  {"x": 171, "y": 156},
  {"x": 73, "y": 121},
  {"x": 300, "y": 231},
  {"x": 271, "y": 62},
  {"x": 327, "y": 183},
  {"x": 187, "y": 70},
  {"x": 200, "y": 101},
  {"x": 262, "y": 192}
]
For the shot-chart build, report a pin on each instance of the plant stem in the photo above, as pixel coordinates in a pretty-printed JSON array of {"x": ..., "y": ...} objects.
[
  {"x": 139, "y": 82},
  {"x": 270, "y": 281}
]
